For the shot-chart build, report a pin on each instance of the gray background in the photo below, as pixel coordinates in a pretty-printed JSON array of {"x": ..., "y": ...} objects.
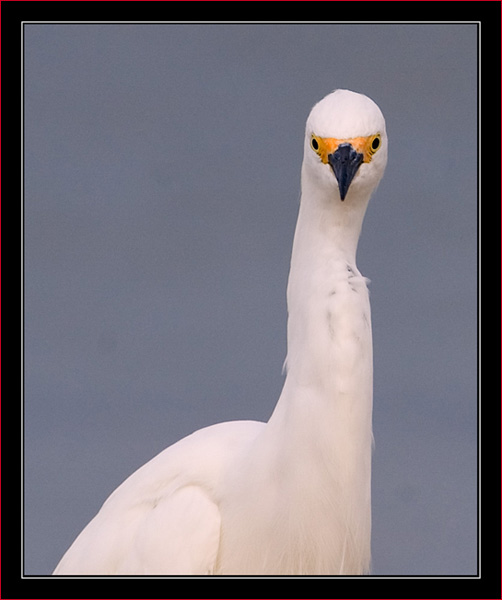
[{"x": 162, "y": 177}]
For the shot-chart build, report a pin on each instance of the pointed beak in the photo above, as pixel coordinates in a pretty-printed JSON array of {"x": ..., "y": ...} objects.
[{"x": 345, "y": 162}]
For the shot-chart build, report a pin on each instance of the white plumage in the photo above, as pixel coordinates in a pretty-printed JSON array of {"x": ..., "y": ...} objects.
[{"x": 290, "y": 496}]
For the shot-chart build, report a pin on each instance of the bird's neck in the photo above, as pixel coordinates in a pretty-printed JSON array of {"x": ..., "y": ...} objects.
[
  {"x": 327, "y": 223},
  {"x": 324, "y": 412},
  {"x": 329, "y": 325}
]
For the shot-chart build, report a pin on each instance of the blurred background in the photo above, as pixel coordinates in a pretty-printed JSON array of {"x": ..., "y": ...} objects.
[{"x": 161, "y": 190}]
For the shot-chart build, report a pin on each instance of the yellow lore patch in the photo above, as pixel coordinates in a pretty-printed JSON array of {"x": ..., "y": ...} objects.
[{"x": 367, "y": 146}]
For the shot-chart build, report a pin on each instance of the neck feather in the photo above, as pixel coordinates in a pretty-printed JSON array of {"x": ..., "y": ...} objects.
[{"x": 324, "y": 412}]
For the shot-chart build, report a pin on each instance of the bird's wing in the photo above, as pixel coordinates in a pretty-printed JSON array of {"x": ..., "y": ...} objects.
[
  {"x": 163, "y": 520},
  {"x": 174, "y": 534},
  {"x": 179, "y": 536}
]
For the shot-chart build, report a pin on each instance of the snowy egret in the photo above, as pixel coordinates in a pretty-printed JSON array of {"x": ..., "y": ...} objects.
[{"x": 290, "y": 496}]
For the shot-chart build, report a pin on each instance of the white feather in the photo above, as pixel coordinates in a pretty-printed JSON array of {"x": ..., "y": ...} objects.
[{"x": 291, "y": 496}]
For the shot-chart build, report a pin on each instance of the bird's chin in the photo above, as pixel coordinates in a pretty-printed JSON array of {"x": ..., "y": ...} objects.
[{"x": 360, "y": 189}]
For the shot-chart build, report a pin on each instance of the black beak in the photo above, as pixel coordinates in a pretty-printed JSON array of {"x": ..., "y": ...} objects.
[{"x": 345, "y": 161}]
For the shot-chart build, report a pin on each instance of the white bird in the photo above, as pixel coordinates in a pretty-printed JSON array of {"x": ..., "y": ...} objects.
[{"x": 290, "y": 496}]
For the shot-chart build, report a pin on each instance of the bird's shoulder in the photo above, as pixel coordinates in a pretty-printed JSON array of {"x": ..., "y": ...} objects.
[
  {"x": 199, "y": 459},
  {"x": 164, "y": 518}
]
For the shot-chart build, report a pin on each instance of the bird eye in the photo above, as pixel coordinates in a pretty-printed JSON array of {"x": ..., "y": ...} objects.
[
  {"x": 375, "y": 143},
  {"x": 314, "y": 143}
]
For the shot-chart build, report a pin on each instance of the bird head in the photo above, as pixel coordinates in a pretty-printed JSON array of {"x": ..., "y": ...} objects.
[{"x": 345, "y": 144}]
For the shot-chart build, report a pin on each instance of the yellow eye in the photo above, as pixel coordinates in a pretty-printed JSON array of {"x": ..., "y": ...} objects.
[
  {"x": 375, "y": 144},
  {"x": 314, "y": 142}
]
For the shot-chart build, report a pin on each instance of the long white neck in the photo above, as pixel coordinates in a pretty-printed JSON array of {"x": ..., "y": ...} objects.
[
  {"x": 306, "y": 478},
  {"x": 324, "y": 412},
  {"x": 327, "y": 297}
]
